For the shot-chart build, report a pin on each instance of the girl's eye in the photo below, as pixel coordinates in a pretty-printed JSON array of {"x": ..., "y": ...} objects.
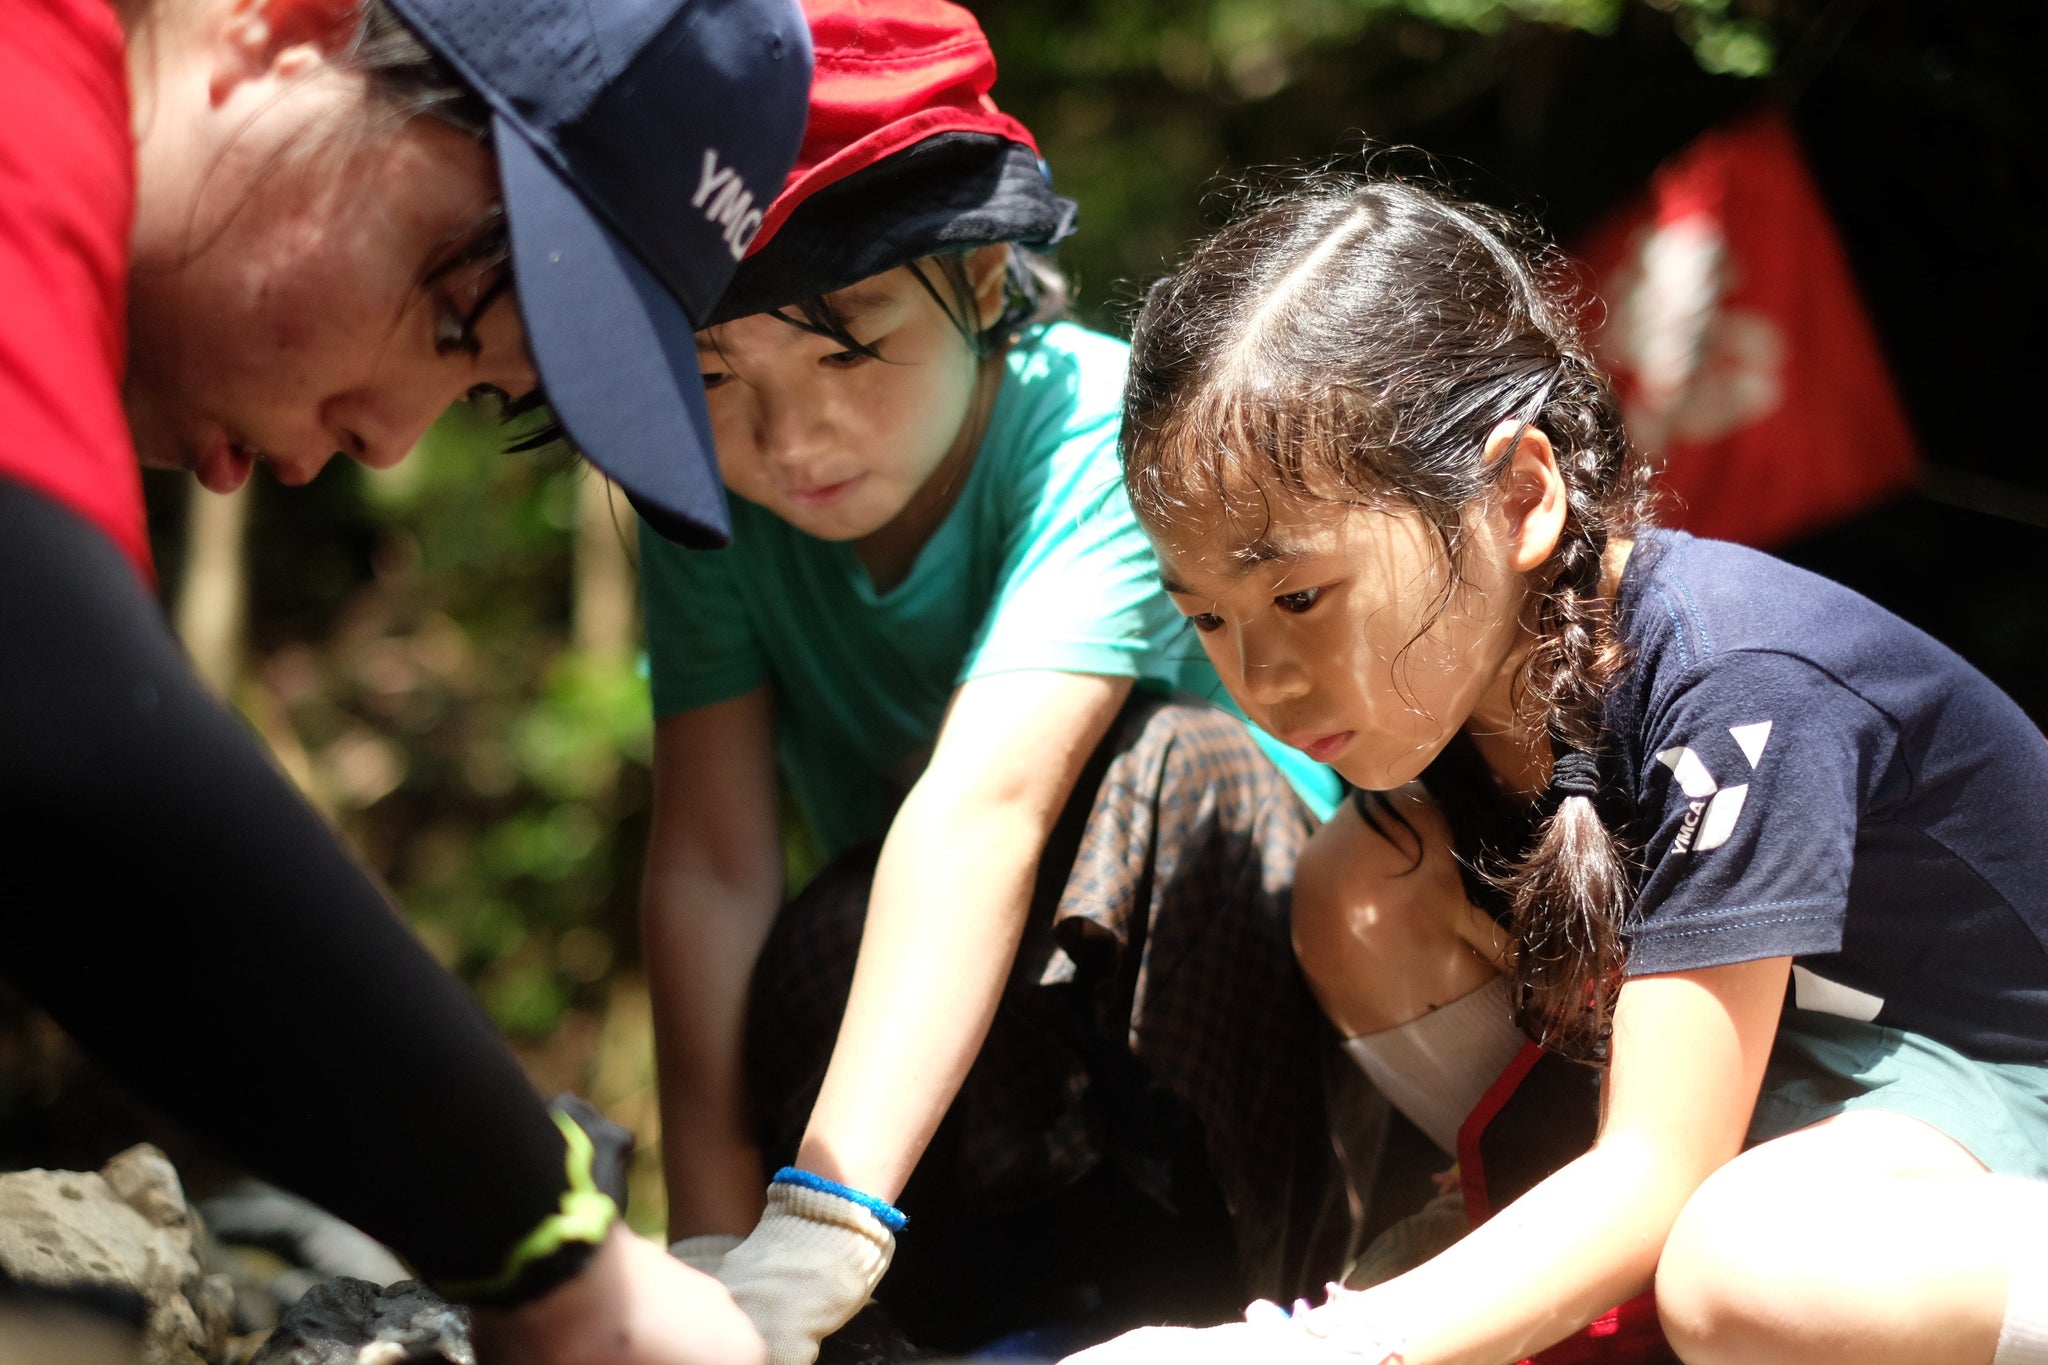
[
  {"x": 1295, "y": 603},
  {"x": 454, "y": 334},
  {"x": 1206, "y": 621},
  {"x": 713, "y": 378},
  {"x": 845, "y": 360}
]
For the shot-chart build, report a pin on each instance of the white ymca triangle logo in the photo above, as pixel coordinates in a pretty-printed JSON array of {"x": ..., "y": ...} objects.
[{"x": 1713, "y": 809}]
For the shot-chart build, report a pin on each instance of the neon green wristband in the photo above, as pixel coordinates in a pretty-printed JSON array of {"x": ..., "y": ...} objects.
[{"x": 560, "y": 1245}]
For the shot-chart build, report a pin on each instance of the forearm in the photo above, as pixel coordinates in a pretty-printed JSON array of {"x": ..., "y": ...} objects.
[
  {"x": 1686, "y": 1057},
  {"x": 951, "y": 894},
  {"x": 160, "y": 870},
  {"x": 711, "y": 890},
  {"x": 702, "y": 939},
  {"x": 1582, "y": 1241}
]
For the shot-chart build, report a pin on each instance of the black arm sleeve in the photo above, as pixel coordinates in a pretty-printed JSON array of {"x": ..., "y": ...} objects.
[{"x": 162, "y": 886}]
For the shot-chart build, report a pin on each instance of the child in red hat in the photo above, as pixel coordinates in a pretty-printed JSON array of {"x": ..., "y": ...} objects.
[{"x": 1042, "y": 994}]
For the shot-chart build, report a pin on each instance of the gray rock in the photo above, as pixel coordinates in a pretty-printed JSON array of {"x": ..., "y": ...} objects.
[
  {"x": 302, "y": 1233},
  {"x": 126, "y": 1226},
  {"x": 273, "y": 1246},
  {"x": 354, "y": 1322}
]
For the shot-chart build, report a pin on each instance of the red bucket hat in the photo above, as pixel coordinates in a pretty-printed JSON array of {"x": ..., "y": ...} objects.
[{"x": 904, "y": 156}]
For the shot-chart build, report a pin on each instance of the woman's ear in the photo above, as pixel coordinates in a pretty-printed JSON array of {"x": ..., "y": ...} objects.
[
  {"x": 284, "y": 38},
  {"x": 1531, "y": 492},
  {"x": 988, "y": 270}
]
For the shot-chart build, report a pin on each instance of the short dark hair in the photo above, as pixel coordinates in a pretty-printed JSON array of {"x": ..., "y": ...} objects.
[
  {"x": 409, "y": 79},
  {"x": 1034, "y": 292}
]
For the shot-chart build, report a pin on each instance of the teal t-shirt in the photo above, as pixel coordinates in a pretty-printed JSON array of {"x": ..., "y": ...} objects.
[{"x": 1039, "y": 565}]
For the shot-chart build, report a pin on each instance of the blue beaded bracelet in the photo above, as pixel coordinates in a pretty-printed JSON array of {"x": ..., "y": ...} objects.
[{"x": 890, "y": 1216}]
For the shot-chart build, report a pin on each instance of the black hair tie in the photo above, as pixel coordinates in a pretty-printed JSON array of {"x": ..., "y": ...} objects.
[{"x": 1573, "y": 773}]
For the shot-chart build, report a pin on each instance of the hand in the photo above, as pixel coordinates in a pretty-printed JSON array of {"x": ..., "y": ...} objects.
[
  {"x": 1351, "y": 1320},
  {"x": 806, "y": 1268},
  {"x": 1264, "y": 1342},
  {"x": 705, "y": 1252},
  {"x": 631, "y": 1305}
]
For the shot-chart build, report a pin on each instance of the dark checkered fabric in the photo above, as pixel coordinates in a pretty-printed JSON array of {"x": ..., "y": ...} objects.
[{"x": 1155, "y": 1021}]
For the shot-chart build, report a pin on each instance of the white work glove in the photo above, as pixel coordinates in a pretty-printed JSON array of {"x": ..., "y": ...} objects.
[
  {"x": 1233, "y": 1343},
  {"x": 1269, "y": 1335},
  {"x": 705, "y": 1252},
  {"x": 810, "y": 1263},
  {"x": 1349, "y": 1321}
]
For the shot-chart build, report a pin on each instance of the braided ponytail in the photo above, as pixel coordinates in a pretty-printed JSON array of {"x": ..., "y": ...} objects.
[{"x": 1569, "y": 894}]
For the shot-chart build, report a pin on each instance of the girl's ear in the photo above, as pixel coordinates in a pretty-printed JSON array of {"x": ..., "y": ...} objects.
[
  {"x": 1531, "y": 492},
  {"x": 284, "y": 38},
  {"x": 988, "y": 270}
]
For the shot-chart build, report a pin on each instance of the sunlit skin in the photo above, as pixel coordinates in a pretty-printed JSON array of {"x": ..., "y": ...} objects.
[
  {"x": 277, "y": 310},
  {"x": 847, "y": 447},
  {"x": 1332, "y": 630}
]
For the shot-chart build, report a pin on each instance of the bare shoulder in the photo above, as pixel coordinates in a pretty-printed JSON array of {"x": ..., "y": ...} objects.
[
  {"x": 1394, "y": 874},
  {"x": 1408, "y": 840}
]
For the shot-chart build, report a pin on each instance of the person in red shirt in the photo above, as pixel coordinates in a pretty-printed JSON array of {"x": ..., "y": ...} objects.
[{"x": 243, "y": 232}]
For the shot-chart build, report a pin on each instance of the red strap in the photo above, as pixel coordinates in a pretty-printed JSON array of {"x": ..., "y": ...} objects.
[
  {"x": 1628, "y": 1334},
  {"x": 1471, "y": 1169}
]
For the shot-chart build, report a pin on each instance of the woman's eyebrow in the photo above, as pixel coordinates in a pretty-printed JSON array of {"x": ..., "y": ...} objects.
[{"x": 481, "y": 240}]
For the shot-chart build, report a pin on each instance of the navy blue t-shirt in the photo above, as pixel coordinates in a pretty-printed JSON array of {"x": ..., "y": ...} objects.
[{"x": 1813, "y": 777}]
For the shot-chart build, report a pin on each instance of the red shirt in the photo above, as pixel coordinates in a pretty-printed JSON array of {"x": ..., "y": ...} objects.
[{"x": 67, "y": 200}]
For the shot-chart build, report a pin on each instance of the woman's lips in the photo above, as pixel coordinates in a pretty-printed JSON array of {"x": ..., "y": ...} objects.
[
  {"x": 824, "y": 494},
  {"x": 1324, "y": 748},
  {"x": 225, "y": 465}
]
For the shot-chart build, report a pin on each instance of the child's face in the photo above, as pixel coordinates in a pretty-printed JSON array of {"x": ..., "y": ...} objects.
[
  {"x": 1330, "y": 624},
  {"x": 839, "y": 444}
]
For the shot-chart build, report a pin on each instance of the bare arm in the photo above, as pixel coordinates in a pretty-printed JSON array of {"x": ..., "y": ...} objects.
[
  {"x": 713, "y": 885},
  {"x": 951, "y": 894},
  {"x": 1688, "y": 1057}
]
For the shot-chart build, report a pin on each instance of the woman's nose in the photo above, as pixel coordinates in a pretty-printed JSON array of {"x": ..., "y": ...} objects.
[
  {"x": 379, "y": 424},
  {"x": 381, "y": 432}
]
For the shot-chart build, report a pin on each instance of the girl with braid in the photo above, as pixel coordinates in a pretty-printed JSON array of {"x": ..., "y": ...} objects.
[{"x": 1771, "y": 860}]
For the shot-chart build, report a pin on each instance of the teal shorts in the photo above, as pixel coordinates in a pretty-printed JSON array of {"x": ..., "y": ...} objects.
[{"x": 1823, "y": 1065}]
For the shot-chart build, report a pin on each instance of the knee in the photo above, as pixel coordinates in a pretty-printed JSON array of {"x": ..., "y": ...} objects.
[{"x": 1728, "y": 1284}]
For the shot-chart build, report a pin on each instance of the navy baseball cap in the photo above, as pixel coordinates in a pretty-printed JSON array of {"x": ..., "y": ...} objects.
[{"x": 639, "y": 144}]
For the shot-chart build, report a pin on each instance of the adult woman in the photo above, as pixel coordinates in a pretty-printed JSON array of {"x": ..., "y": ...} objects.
[{"x": 316, "y": 269}]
